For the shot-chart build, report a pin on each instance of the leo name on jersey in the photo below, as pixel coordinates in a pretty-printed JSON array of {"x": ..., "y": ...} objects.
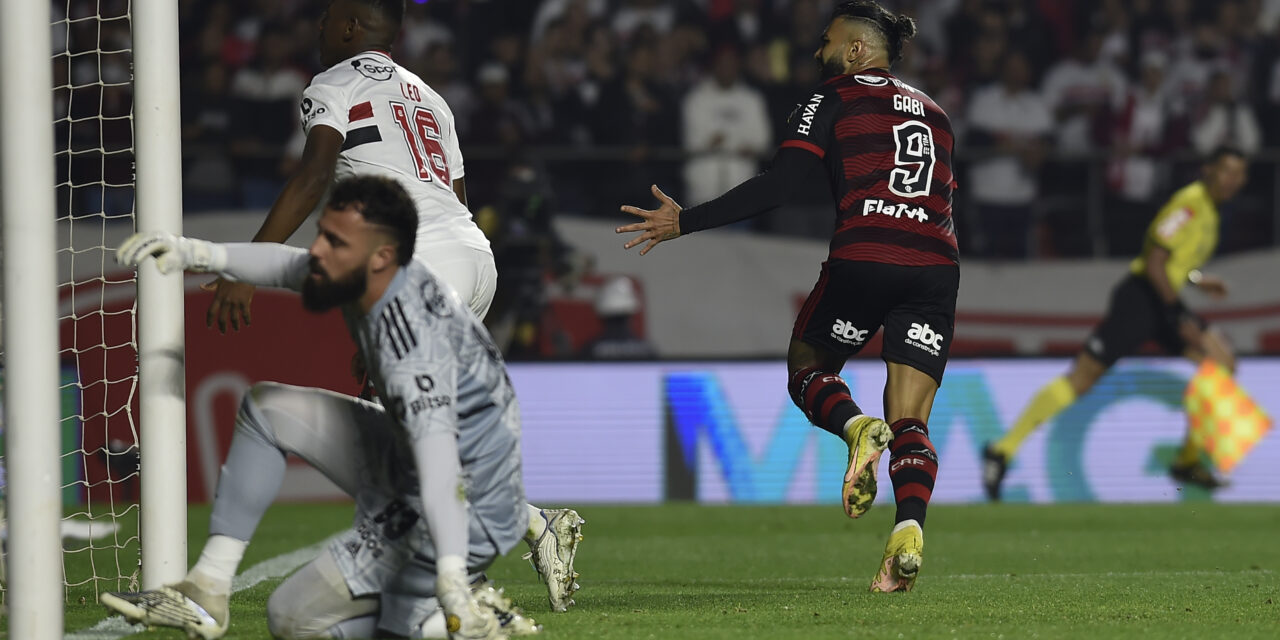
[{"x": 393, "y": 124}]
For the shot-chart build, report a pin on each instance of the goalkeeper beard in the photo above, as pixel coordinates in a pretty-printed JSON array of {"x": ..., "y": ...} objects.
[{"x": 321, "y": 292}]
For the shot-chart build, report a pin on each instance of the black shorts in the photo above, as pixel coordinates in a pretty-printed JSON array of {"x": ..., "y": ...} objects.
[
  {"x": 1135, "y": 315},
  {"x": 916, "y": 306}
]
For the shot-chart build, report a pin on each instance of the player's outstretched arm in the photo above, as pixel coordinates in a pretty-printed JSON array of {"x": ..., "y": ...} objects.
[
  {"x": 301, "y": 194},
  {"x": 267, "y": 265},
  {"x": 659, "y": 224},
  {"x": 760, "y": 194},
  {"x": 172, "y": 253}
]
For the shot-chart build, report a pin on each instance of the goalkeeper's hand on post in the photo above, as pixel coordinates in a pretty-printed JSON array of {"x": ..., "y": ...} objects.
[
  {"x": 172, "y": 253},
  {"x": 464, "y": 618}
]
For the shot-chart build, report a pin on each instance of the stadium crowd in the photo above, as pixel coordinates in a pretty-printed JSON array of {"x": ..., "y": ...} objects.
[{"x": 1075, "y": 118}]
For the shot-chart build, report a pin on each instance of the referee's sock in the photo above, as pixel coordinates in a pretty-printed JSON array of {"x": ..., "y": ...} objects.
[
  {"x": 824, "y": 398},
  {"x": 1047, "y": 403}
]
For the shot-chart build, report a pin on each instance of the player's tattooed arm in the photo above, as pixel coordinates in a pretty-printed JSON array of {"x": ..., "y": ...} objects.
[{"x": 659, "y": 224}]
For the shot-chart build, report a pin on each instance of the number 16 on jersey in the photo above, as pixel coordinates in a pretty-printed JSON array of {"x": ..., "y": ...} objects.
[{"x": 422, "y": 133}]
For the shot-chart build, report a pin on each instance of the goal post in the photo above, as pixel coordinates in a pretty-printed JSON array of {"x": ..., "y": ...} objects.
[
  {"x": 94, "y": 377},
  {"x": 32, "y": 410},
  {"x": 161, "y": 343}
]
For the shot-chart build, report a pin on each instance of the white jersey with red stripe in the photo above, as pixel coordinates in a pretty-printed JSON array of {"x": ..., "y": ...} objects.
[{"x": 394, "y": 125}]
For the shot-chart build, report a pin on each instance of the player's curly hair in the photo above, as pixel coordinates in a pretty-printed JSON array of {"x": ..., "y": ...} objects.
[
  {"x": 896, "y": 30},
  {"x": 382, "y": 201}
]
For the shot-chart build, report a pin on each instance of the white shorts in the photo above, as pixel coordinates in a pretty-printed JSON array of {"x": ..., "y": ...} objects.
[{"x": 468, "y": 270}]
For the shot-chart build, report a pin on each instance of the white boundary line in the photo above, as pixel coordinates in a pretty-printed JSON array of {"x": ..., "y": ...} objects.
[{"x": 115, "y": 627}]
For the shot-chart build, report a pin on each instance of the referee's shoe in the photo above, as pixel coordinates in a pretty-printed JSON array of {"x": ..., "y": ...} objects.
[
  {"x": 994, "y": 466},
  {"x": 1198, "y": 474}
]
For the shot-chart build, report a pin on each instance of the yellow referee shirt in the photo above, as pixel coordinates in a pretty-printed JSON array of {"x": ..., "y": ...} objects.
[{"x": 1187, "y": 226}]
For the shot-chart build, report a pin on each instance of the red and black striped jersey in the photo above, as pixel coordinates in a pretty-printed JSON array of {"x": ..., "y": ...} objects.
[{"x": 887, "y": 149}]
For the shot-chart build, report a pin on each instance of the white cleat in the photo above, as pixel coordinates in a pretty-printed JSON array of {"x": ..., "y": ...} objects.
[
  {"x": 553, "y": 552},
  {"x": 181, "y": 606}
]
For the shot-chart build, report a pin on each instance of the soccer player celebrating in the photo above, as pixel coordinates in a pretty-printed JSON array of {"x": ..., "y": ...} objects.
[
  {"x": 367, "y": 115},
  {"x": 435, "y": 475},
  {"x": 885, "y": 148},
  {"x": 1145, "y": 305}
]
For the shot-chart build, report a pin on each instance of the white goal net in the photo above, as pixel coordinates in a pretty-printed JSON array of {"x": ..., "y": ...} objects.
[
  {"x": 98, "y": 363},
  {"x": 93, "y": 103}
]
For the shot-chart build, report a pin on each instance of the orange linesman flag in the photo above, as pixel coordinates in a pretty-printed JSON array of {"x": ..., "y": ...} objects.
[{"x": 1225, "y": 422}]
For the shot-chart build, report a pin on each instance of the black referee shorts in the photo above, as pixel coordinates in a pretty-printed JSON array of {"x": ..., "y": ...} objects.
[
  {"x": 1136, "y": 314},
  {"x": 915, "y": 305}
]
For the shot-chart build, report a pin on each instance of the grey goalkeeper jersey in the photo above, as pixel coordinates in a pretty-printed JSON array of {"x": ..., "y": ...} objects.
[{"x": 436, "y": 370}]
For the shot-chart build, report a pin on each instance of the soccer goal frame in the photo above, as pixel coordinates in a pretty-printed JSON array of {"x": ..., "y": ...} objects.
[
  {"x": 162, "y": 376},
  {"x": 32, "y": 410}
]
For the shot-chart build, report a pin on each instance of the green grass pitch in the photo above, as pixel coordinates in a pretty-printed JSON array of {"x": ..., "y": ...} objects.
[{"x": 990, "y": 571}]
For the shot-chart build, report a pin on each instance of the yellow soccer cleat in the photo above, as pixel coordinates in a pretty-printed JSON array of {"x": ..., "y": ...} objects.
[
  {"x": 902, "y": 559},
  {"x": 867, "y": 438}
]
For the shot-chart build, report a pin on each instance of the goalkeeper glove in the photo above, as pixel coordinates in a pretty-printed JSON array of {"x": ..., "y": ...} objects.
[
  {"x": 172, "y": 253},
  {"x": 463, "y": 615}
]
